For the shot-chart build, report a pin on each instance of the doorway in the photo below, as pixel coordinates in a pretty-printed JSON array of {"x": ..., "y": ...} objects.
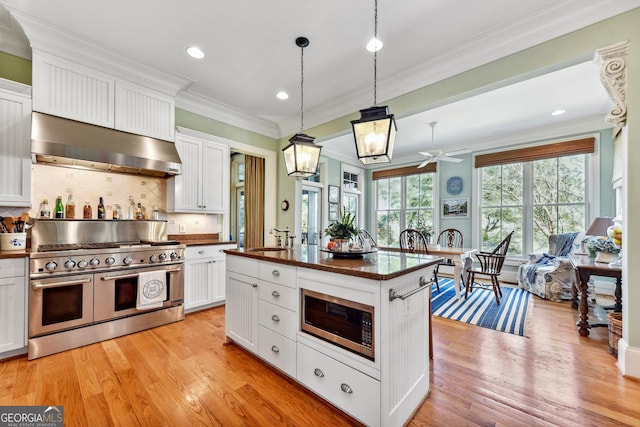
[{"x": 311, "y": 210}]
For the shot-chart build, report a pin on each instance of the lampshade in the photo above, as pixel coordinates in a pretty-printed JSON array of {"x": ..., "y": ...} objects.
[
  {"x": 375, "y": 134},
  {"x": 301, "y": 156},
  {"x": 599, "y": 226}
]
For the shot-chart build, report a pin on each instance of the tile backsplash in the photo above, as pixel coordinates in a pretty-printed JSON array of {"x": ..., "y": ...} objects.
[{"x": 48, "y": 182}]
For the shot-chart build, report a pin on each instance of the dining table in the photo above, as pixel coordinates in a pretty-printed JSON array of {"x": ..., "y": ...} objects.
[{"x": 457, "y": 255}]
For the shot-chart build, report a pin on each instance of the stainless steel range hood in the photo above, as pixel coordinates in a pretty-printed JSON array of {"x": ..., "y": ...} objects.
[{"x": 64, "y": 142}]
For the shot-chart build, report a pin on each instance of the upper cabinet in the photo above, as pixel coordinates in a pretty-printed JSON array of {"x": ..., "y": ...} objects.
[
  {"x": 203, "y": 186},
  {"x": 15, "y": 146},
  {"x": 67, "y": 89}
]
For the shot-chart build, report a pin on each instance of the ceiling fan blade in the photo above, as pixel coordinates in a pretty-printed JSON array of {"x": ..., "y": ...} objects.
[
  {"x": 426, "y": 153},
  {"x": 425, "y": 163},
  {"x": 450, "y": 159}
]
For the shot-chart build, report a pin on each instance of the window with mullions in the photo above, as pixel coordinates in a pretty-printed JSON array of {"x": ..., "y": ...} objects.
[
  {"x": 403, "y": 202},
  {"x": 536, "y": 199}
]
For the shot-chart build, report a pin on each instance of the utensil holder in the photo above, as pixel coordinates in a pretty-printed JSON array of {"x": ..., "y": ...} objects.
[{"x": 13, "y": 241}]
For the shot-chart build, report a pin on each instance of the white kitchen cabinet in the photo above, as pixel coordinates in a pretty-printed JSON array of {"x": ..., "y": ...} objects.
[
  {"x": 13, "y": 302},
  {"x": 203, "y": 185},
  {"x": 204, "y": 276},
  {"x": 67, "y": 89},
  {"x": 241, "y": 305},
  {"x": 15, "y": 147}
]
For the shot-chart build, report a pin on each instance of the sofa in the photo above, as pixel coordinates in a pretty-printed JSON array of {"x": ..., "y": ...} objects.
[{"x": 550, "y": 275}]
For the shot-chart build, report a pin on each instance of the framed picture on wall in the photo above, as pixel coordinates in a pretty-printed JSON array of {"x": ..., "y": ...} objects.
[
  {"x": 334, "y": 211},
  {"x": 455, "y": 208},
  {"x": 334, "y": 194}
]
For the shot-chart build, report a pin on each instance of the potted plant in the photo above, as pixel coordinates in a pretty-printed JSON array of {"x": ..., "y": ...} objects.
[
  {"x": 343, "y": 229},
  {"x": 605, "y": 249}
]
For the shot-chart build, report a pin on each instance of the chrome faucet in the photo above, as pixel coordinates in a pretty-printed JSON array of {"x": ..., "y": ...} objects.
[{"x": 280, "y": 243}]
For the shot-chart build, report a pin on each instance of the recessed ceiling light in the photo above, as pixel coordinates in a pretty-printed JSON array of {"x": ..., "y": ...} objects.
[
  {"x": 558, "y": 112},
  {"x": 282, "y": 95},
  {"x": 195, "y": 52},
  {"x": 374, "y": 45}
]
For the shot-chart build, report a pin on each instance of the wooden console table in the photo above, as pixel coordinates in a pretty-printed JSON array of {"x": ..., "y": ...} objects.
[{"x": 585, "y": 268}]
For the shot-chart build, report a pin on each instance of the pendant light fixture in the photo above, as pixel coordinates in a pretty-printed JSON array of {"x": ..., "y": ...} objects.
[
  {"x": 301, "y": 156},
  {"x": 375, "y": 131}
]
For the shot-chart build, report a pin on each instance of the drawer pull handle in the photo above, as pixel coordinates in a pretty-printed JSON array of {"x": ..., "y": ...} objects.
[
  {"x": 318, "y": 373},
  {"x": 255, "y": 285},
  {"x": 275, "y": 272},
  {"x": 275, "y": 349},
  {"x": 345, "y": 387},
  {"x": 275, "y": 294},
  {"x": 201, "y": 252},
  {"x": 275, "y": 318}
]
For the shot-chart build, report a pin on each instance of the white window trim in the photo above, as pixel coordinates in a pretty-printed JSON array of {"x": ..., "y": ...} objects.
[
  {"x": 593, "y": 193},
  {"x": 359, "y": 192}
]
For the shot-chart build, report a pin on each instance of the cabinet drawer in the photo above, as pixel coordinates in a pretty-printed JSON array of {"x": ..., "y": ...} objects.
[
  {"x": 277, "y": 319},
  {"x": 13, "y": 267},
  {"x": 200, "y": 252},
  {"x": 278, "y": 273},
  {"x": 242, "y": 265},
  {"x": 280, "y": 295},
  {"x": 350, "y": 390},
  {"x": 279, "y": 351}
]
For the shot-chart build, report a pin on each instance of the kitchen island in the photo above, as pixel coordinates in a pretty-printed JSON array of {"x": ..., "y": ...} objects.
[{"x": 366, "y": 351}]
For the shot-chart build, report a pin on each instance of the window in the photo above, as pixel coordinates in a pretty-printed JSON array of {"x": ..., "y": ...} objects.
[
  {"x": 403, "y": 202},
  {"x": 352, "y": 179},
  {"x": 542, "y": 196}
]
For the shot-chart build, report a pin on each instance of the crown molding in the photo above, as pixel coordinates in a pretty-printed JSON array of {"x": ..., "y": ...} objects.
[
  {"x": 12, "y": 38},
  {"x": 56, "y": 42}
]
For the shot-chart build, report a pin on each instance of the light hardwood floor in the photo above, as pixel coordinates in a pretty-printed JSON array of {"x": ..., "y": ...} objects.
[{"x": 182, "y": 375}]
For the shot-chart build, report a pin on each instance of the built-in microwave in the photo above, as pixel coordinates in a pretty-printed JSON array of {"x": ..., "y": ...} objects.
[{"x": 348, "y": 324}]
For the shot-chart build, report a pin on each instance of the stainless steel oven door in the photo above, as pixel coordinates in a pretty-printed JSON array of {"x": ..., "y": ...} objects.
[
  {"x": 60, "y": 303},
  {"x": 116, "y": 293}
]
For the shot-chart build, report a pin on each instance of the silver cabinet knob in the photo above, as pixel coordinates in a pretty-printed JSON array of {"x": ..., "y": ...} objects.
[
  {"x": 275, "y": 273},
  {"x": 318, "y": 373},
  {"x": 275, "y": 318},
  {"x": 275, "y": 349},
  {"x": 275, "y": 294},
  {"x": 345, "y": 387}
]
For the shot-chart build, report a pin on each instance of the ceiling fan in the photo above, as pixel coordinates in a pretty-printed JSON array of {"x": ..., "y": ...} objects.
[{"x": 437, "y": 155}]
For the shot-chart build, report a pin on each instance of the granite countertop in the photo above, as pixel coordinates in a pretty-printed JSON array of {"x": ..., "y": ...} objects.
[
  {"x": 380, "y": 265},
  {"x": 200, "y": 239}
]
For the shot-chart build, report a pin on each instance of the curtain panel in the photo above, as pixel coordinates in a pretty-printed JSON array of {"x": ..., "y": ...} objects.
[{"x": 253, "y": 202}]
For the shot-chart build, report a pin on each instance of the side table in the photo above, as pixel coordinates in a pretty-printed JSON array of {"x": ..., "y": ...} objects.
[{"x": 585, "y": 268}]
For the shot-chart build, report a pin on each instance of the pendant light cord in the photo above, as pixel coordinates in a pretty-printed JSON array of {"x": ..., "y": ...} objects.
[
  {"x": 375, "y": 54},
  {"x": 301, "y": 88}
]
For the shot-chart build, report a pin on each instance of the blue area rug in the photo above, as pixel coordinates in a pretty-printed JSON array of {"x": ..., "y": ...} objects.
[{"x": 480, "y": 307}]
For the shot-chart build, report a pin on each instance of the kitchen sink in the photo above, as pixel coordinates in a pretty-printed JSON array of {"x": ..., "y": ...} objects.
[{"x": 266, "y": 249}]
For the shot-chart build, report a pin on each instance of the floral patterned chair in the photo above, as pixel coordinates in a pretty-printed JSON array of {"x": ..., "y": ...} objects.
[{"x": 548, "y": 275}]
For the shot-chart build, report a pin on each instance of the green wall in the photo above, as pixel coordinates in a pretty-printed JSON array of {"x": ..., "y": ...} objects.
[{"x": 15, "y": 68}]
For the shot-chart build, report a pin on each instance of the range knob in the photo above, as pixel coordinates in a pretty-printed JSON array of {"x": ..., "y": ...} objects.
[
  {"x": 51, "y": 265},
  {"x": 174, "y": 256},
  {"x": 82, "y": 264},
  {"x": 69, "y": 264},
  {"x": 94, "y": 262},
  {"x": 153, "y": 258},
  {"x": 163, "y": 256},
  {"x": 110, "y": 261},
  {"x": 127, "y": 260}
]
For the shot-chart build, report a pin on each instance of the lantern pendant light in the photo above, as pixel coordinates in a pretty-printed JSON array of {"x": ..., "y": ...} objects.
[
  {"x": 301, "y": 156},
  {"x": 375, "y": 131}
]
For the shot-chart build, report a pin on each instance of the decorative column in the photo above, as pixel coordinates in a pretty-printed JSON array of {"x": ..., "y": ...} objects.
[{"x": 613, "y": 73}]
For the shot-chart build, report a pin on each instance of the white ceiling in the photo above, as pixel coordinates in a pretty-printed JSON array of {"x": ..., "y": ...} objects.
[{"x": 251, "y": 55}]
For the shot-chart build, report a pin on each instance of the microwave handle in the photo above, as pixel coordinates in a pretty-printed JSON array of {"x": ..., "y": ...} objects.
[{"x": 422, "y": 286}]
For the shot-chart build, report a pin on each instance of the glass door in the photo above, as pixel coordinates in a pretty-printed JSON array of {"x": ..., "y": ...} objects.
[{"x": 311, "y": 215}]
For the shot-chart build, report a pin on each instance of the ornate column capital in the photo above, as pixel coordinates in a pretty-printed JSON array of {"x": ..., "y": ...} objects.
[{"x": 613, "y": 74}]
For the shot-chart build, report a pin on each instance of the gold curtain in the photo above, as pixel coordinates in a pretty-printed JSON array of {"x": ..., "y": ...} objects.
[{"x": 253, "y": 202}]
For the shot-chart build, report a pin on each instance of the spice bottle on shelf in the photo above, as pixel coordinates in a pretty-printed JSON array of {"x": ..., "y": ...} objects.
[
  {"x": 44, "y": 209},
  {"x": 117, "y": 212},
  {"x": 101, "y": 211},
  {"x": 70, "y": 209},
  {"x": 139, "y": 211},
  {"x": 86, "y": 211},
  {"x": 156, "y": 213},
  {"x": 59, "y": 209}
]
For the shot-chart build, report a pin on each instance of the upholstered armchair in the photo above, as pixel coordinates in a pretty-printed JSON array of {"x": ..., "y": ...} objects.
[{"x": 551, "y": 277}]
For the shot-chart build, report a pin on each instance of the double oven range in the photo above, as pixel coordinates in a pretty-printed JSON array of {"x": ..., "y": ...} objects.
[{"x": 86, "y": 278}]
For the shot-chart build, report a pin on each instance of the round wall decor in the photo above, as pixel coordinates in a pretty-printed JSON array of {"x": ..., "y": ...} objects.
[{"x": 454, "y": 185}]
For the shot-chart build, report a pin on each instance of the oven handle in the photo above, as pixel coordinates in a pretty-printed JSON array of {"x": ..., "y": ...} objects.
[
  {"x": 126, "y": 276},
  {"x": 36, "y": 286}
]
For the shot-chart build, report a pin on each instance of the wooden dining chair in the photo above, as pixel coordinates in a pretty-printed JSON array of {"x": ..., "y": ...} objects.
[
  {"x": 448, "y": 238},
  {"x": 490, "y": 266},
  {"x": 413, "y": 241}
]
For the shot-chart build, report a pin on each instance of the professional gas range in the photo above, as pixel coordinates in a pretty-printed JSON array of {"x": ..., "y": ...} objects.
[{"x": 92, "y": 280}]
